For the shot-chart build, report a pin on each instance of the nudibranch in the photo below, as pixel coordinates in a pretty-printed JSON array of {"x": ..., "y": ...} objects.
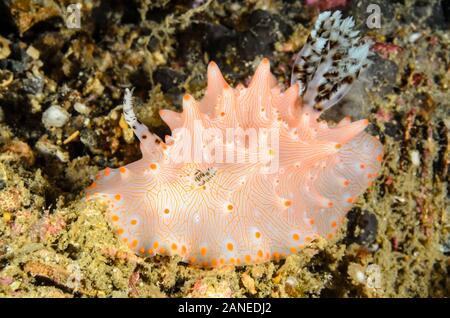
[{"x": 249, "y": 174}]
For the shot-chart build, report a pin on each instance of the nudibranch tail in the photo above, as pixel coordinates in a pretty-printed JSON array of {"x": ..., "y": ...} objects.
[
  {"x": 330, "y": 61},
  {"x": 147, "y": 139},
  {"x": 263, "y": 178}
]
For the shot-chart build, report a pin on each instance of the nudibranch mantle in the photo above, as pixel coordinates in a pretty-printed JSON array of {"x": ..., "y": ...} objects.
[{"x": 215, "y": 212}]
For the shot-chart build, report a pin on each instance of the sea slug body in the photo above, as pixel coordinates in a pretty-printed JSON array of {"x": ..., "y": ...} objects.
[{"x": 249, "y": 174}]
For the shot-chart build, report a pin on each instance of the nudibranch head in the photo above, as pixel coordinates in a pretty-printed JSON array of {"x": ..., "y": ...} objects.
[{"x": 249, "y": 174}]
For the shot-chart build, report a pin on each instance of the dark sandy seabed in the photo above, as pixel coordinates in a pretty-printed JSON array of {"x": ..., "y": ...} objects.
[{"x": 395, "y": 242}]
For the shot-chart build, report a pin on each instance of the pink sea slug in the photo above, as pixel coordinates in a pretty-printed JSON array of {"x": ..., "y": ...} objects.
[{"x": 220, "y": 200}]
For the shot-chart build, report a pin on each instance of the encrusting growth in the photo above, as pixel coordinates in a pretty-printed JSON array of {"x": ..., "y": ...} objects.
[{"x": 264, "y": 177}]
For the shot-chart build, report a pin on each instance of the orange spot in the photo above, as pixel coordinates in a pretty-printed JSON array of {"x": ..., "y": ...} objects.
[
  {"x": 265, "y": 60},
  {"x": 203, "y": 251},
  {"x": 155, "y": 245},
  {"x": 231, "y": 260},
  {"x": 166, "y": 211},
  {"x": 97, "y": 177},
  {"x": 93, "y": 185},
  {"x": 117, "y": 197},
  {"x": 293, "y": 250},
  {"x": 125, "y": 240},
  {"x": 230, "y": 207},
  {"x": 162, "y": 250},
  {"x": 260, "y": 253},
  {"x": 174, "y": 246},
  {"x": 120, "y": 231},
  {"x": 287, "y": 203},
  {"x": 222, "y": 261},
  {"x": 230, "y": 247},
  {"x": 186, "y": 97},
  {"x": 115, "y": 218},
  {"x": 333, "y": 224},
  {"x": 133, "y": 222},
  {"x": 107, "y": 171},
  {"x": 337, "y": 146},
  {"x": 214, "y": 262},
  {"x": 369, "y": 175},
  {"x": 346, "y": 182},
  {"x": 350, "y": 200},
  {"x": 330, "y": 204},
  {"x": 329, "y": 236},
  {"x": 142, "y": 250},
  {"x": 238, "y": 261},
  {"x": 150, "y": 251},
  {"x": 362, "y": 166},
  {"x": 183, "y": 250},
  {"x": 379, "y": 158},
  {"x": 312, "y": 221},
  {"x": 122, "y": 169},
  {"x": 301, "y": 246},
  {"x": 134, "y": 243},
  {"x": 257, "y": 235},
  {"x": 222, "y": 114},
  {"x": 153, "y": 166},
  {"x": 248, "y": 258},
  {"x": 295, "y": 237},
  {"x": 192, "y": 259},
  {"x": 308, "y": 239},
  {"x": 276, "y": 255}
]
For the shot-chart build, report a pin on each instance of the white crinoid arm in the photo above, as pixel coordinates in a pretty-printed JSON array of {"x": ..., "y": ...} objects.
[{"x": 330, "y": 61}]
